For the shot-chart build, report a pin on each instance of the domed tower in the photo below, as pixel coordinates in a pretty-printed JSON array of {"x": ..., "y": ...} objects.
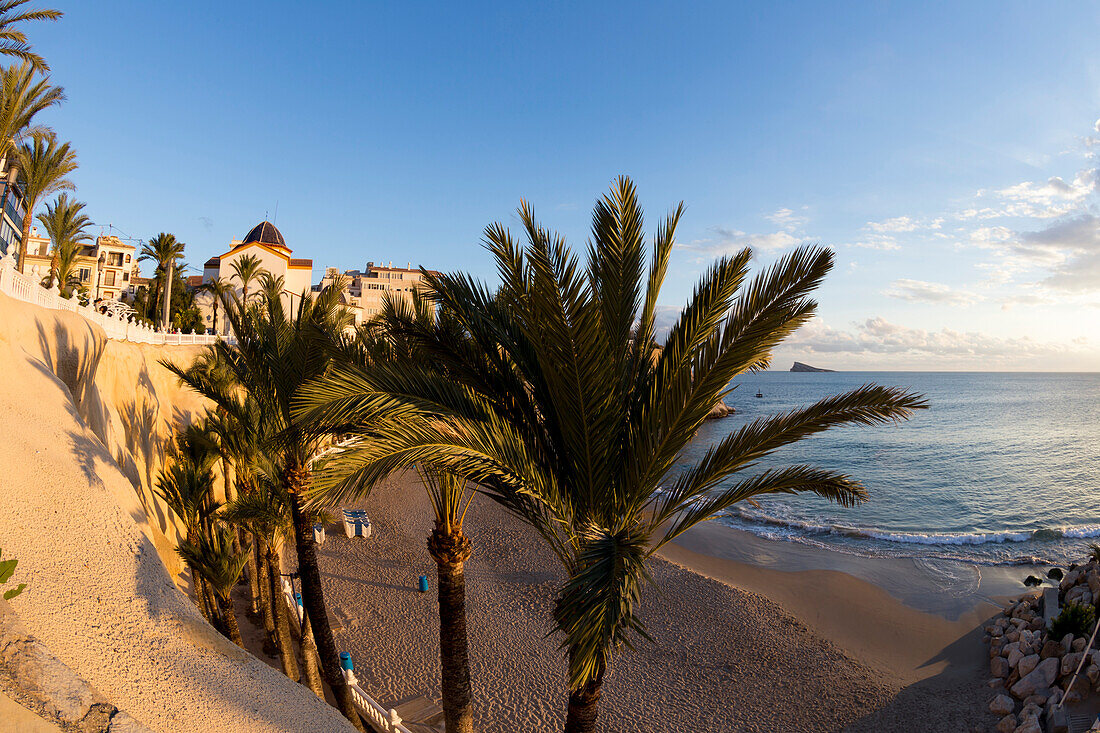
[{"x": 266, "y": 243}]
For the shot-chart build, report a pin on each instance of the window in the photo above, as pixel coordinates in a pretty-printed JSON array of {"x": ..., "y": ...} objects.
[
  {"x": 126, "y": 276},
  {"x": 109, "y": 277},
  {"x": 85, "y": 274},
  {"x": 114, "y": 259}
]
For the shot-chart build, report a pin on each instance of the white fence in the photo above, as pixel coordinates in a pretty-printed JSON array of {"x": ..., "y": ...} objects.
[
  {"x": 21, "y": 287},
  {"x": 387, "y": 721}
]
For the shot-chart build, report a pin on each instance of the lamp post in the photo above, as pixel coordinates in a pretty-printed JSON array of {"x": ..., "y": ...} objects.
[{"x": 99, "y": 272}]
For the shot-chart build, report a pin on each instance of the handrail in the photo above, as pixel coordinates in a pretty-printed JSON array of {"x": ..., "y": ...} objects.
[
  {"x": 387, "y": 721},
  {"x": 120, "y": 328}
]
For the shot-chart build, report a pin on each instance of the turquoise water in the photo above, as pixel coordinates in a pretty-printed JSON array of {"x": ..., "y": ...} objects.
[{"x": 1001, "y": 469}]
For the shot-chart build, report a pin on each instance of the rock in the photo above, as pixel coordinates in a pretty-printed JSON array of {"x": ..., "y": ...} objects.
[
  {"x": 1007, "y": 649},
  {"x": 1069, "y": 580},
  {"x": 1013, "y": 636},
  {"x": 1030, "y": 711},
  {"x": 1036, "y": 624},
  {"x": 1032, "y": 581},
  {"x": 720, "y": 410},
  {"x": 996, "y": 683},
  {"x": 1055, "y": 573},
  {"x": 1067, "y": 643},
  {"x": 999, "y": 667},
  {"x": 1031, "y": 725},
  {"x": 1070, "y": 662},
  {"x": 1007, "y": 724},
  {"x": 1094, "y": 583},
  {"x": 1052, "y": 649},
  {"x": 1027, "y": 664},
  {"x": 1078, "y": 644},
  {"x": 1079, "y": 594},
  {"x": 1042, "y": 676},
  {"x": 1038, "y": 698},
  {"x": 1014, "y": 658},
  {"x": 1002, "y": 705},
  {"x": 1092, "y": 672}
]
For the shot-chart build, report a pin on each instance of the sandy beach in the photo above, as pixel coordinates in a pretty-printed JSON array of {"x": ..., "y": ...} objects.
[{"x": 737, "y": 646}]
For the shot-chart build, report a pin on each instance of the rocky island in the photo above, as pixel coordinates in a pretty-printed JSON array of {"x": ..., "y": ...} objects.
[{"x": 800, "y": 367}]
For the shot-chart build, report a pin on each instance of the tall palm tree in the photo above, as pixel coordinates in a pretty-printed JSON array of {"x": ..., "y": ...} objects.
[
  {"x": 23, "y": 94},
  {"x": 66, "y": 224},
  {"x": 43, "y": 164},
  {"x": 390, "y": 338},
  {"x": 219, "y": 289},
  {"x": 213, "y": 557},
  {"x": 165, "y": 250},
  {"x": 560, "y": 412},
  {"x": 265, "y": 512},
  {"x": 274, "y": 355},
  {"x": 13, "y": 42},
  {"x": 247, "y": 268}
]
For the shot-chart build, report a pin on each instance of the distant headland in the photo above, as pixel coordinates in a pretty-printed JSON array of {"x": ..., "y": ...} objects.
[{"x": 800, "y": 367}]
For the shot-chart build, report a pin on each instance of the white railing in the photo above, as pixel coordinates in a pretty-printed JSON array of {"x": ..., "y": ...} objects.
[
  {"x": 21, "y": 287},
  {"x": 387, "y": 721}
]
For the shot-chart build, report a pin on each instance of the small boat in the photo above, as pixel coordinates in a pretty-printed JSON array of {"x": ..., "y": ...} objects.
[{"x": 759, "y": 394}]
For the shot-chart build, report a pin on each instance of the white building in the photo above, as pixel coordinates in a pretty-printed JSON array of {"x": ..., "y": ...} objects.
[{"x": 267, "y": 244}]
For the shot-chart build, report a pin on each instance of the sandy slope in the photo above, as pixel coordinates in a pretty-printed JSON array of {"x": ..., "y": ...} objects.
[{"x": 99, "y": 595}]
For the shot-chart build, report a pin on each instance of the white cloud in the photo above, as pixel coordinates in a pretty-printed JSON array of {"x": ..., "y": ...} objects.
[
  {"x": 729, "y": 241},
  {"x": 787, "y": 220},
  {"x": 919, "y": 291},
  {"x": 897, "y": 224},
  {"x": 879, "y": 337}
]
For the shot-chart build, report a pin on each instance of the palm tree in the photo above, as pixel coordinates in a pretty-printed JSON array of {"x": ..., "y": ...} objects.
[
  {"x": 165, "y": 251},
  {"x": 13, "y": 42},
  {"x": 247, "y": 268},
  {"x": 219, "y": 289},
  {"x": 185, "y": 486},
  {"x": 265, "y": 512},
  {"x": 557, "y": 409},
  {"x": 66, "y": 224},
  {"x": 43, "y": 164},
  {"x": 213, "y": 557},
  {"x": 271, "y": 286},
  {"x": 23, "y": 94},
  {"x": 388, "y": 338},
  {"x": 274, "y": 355}
]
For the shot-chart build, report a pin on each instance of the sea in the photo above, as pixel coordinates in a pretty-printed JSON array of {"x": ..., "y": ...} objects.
[{"x": 1001, "y": 469}]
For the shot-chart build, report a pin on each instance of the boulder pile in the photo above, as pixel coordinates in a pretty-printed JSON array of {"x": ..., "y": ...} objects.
[{"x": 1032, "y": 672}]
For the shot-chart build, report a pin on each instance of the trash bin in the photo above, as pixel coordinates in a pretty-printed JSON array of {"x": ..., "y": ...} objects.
[{"x": 423, "y": 583}]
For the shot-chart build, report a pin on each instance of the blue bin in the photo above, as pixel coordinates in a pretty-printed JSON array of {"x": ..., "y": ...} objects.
[
  {"x": 346, "y": 663},
  {"x": 423, "y": 583},
  {"x": 298, "y": 598}
]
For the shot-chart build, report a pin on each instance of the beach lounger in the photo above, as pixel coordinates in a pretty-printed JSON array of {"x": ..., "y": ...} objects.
[{"x": 356, "y": 523}]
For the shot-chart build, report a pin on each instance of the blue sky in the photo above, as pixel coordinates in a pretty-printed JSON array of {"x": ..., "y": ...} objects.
[{"x": 947, "y": 151}]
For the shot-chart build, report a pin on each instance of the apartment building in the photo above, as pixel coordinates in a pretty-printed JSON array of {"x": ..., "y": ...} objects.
[{"x": 364, "y": 289}]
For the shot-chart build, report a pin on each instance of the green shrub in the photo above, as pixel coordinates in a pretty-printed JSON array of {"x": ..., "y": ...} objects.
[
  {"x": 7, "y": 567},
  {"x": 1076, "y": 618}
]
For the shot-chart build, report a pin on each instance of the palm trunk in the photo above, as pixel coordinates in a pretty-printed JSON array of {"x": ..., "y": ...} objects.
[
  {"x": 584, "y": 707},
  {"x": 28, "y": 219},
  {"x": 265, "y": 605},
  {"x": 200, "y": 595},
  {"x": 231, "y": 621},
  {"x": 254, "y": 562},
  {"x": 450, "y": 551},
  {"x": 309, "y": 659},
  {"x": 297, "y": 480},
  {"x": 282, "y": 621},
  {"x": 584, "y": 704}
]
